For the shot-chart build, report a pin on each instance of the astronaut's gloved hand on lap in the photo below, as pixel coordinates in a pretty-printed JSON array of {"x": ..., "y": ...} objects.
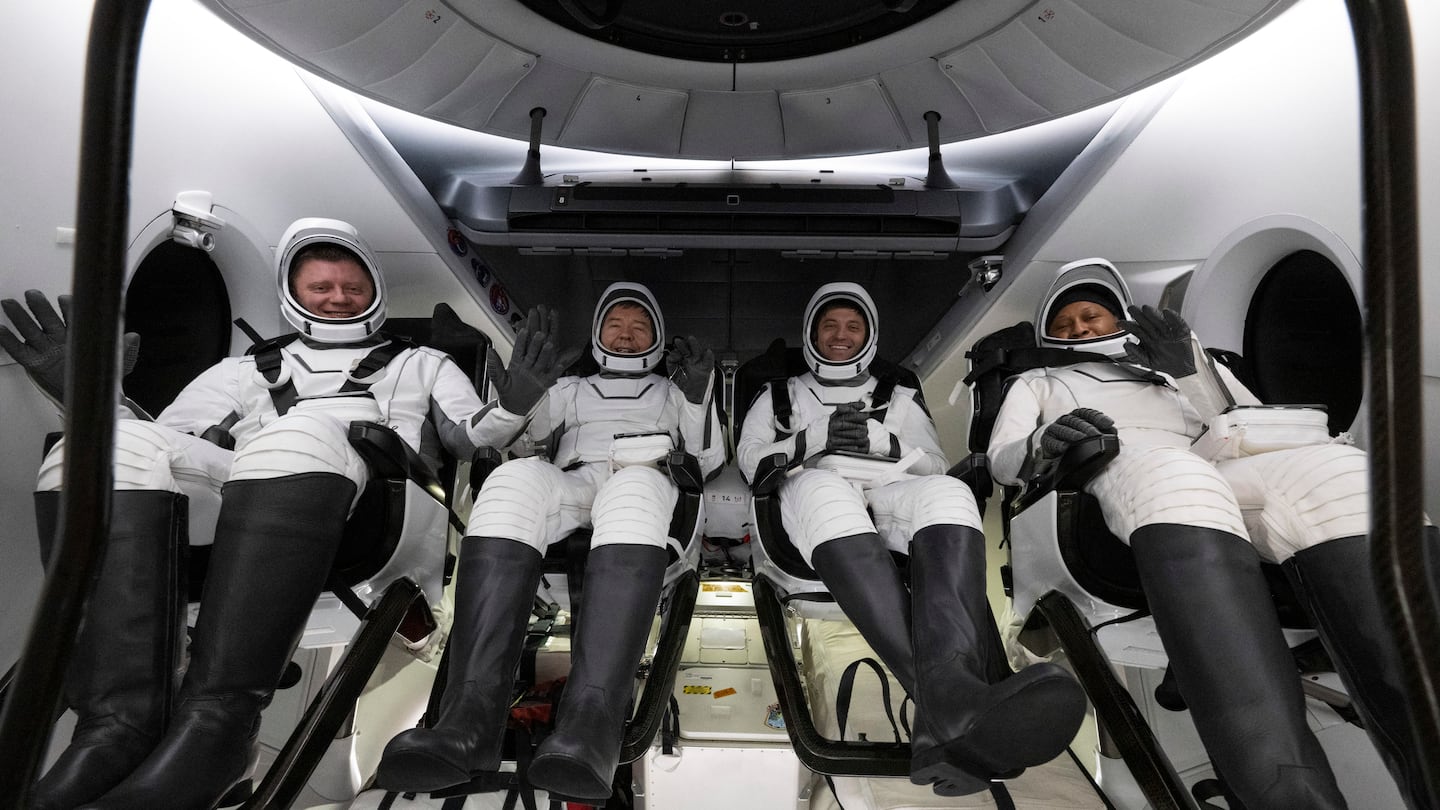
[
  {"x": 1069, "y": 430},
  {"x": 846, "y": 429}
]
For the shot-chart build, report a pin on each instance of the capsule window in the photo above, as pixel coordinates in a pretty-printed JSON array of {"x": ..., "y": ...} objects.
[
  {"x": 1304, "y": 338},
  {"x": 178, "y": 304}
]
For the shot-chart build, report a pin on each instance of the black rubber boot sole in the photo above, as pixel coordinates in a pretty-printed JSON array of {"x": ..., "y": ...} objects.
[
  {"x": 567, "y": 777},
  {"x": 1016, "y": 732},
  {"x": 418, "y": 770}
]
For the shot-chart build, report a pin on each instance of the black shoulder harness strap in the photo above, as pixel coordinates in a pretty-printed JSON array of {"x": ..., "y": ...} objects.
[{"x": 269, "y": 362}]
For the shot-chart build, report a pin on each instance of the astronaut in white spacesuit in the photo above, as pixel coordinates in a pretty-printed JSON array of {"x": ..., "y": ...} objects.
[
  {"x": 1199, "y": 528},
  {"x": 275, "y": 504},
  {"x": 606, "y": 433},
  {"x": 967, "y": 729}
]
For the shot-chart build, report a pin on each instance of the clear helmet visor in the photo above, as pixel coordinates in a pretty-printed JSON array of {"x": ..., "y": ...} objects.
[
  {"x": 853, "y": 296},
  {"x": 314, "y": 233},
  {"x": 621, "y": 361},
  {"x": 1086, "y": 280}
]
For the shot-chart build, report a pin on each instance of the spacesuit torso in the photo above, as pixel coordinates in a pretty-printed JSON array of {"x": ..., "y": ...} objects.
[
  {"x": 902, "y": 424},
  {"x": 583, "y": 416},
  {"x": 1146, "y": 412},
  {"x": 420, "y": 394}
]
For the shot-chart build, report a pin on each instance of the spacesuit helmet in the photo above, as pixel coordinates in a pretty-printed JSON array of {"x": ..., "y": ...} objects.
[
  {"x": 847, "y": 294},
  {"x": 1094, "y": 280},
  {"x": 634, "y": 294},
  {"x": 312, "y": 231}
]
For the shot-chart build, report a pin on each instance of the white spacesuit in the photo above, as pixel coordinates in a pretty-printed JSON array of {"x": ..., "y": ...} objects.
[
  {"x": 1283, "y": 501},
  {"x": 275, "y": 506},
  {"x": 605, "y": 434},
  {"x": 967, "y": 729},
  {"x": 1196, "y": 526}
]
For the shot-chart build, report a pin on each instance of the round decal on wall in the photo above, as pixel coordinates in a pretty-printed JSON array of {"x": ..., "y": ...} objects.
[
  {"x": 499, "y": 300},
  {"x": 457, "y": 242},
  {"x": 482, "y": 273}
]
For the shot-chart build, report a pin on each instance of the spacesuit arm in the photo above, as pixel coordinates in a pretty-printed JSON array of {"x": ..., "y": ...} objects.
[
  {"x": 1212, "y": 389},
  {"x": 906, "y": 427},
  {"x": 761, "y": 438},
  {"x": 1015, "y": 439},
  {"x": 1242, "y": 395},
  {"x": 548, "y": 420},
  {"x": 700, "y": 429},
  {"x": 211, "y": 399},
  {"x": 463, "y": 421}
]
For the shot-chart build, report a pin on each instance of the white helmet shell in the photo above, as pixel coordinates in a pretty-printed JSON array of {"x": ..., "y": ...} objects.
[
  {"x": 855, "y": 295},
  {"x": 1085, "y": 272},
  {"x": 632, "y": 293},
  {"x": 314, "y": 230}
]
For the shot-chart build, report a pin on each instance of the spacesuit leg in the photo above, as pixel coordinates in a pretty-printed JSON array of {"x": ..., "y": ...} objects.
[
  {"x": 1215, "y": 616},
  {"x": 1332, "y": 580},
  {"x": 524, "y": 505},
  {"x": 1299, "y": 500},
  {"x": 629, "y": 554},
  {"x": 1213, "y": 610},
  {"x": 826, "y": 518},
  {"x": 974, "y": 719},
  {"x": 274, "y": 544},
  {"x": 120, "y": 682}
]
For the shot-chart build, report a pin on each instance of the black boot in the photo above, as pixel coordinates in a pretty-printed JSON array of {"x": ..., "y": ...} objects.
[
  {"x": 975, "y": 719},
  {"x": 1334, "y": 582},
  {"x": 494, "y": 588},
  {"x": 1215, "y": 616},
  {"x": 862, "y": 577},
  {"x": 121, "y": 680},
  {"x": 578, "y": 759},
  {"x": 274, "y": 544}
]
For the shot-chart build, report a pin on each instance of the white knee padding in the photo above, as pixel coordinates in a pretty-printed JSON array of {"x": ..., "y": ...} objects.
[
  {"x": 1146, "y": 485},
  {"x": 904, "y": 507},
  {"x": 531, "y": 501},
  {"x": 142, "y": 458},
  {"x": 635, "y": 506},
  {"x": 300, "y": 442},
  {"x": 817, "y": 506},
  {"x": 149, "y": 456},
  {"x": 928, "y": 500},
  {"x": 1295, "y": 499}
]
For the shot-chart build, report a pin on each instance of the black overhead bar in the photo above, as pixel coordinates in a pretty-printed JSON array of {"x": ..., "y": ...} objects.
[
  {"x": 1392, "y": 334},
  {"x": 91, "y": 385}
]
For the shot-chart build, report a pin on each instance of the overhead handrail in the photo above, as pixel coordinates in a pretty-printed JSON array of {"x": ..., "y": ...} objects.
[
  {"x": 1392, "y": 294},
  {"x": 91, "y": 381}
]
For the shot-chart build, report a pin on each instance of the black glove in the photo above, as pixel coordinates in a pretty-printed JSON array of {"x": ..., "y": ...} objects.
[
  {"x": 847, "y": 429},
  {"x": 534, "y": 363},
  {"x": 1164, "y": 341},
  {"x": 1070, "y": 429},
  {"x": 42, "y": 351},
  {"x": 690, "y": 365}
]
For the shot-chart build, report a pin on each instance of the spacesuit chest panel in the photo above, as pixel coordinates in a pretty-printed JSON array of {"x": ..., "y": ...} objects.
[
  {"x": 605, "y": 407},
  {"x": 1144, "y": 412},
  {"x": 812, "y": 400},
  {"x": 398, "y": 389}
]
